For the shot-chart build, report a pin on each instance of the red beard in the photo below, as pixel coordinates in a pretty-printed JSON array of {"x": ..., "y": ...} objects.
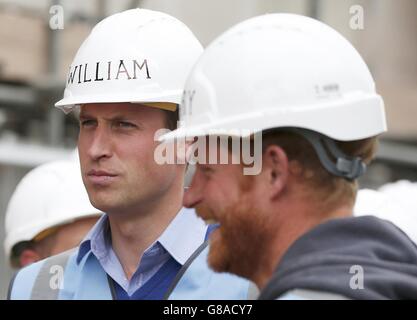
[{"x": 236, "y": 246}]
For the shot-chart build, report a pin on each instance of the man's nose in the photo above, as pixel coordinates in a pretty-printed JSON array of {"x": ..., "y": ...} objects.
[{"x": 100, "y": 146}]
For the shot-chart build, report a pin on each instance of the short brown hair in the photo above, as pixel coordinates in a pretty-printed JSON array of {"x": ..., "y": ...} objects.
[
  {"x": 329, "y": 189},
  {"x": 171, "y": 119}
]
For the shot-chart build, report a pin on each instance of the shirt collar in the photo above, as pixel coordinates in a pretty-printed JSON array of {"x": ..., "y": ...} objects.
[
  {"x": 181, "y": 238},
  {"x": 184, "y": 235},
  {"x": 97, "y": 232}
]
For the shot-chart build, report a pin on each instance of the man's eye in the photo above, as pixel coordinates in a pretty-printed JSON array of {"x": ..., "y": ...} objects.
[
  {"x": 206, "y": 170},
  {"x": 125, "y": 124},
  {"x": 87, "y": 123}
]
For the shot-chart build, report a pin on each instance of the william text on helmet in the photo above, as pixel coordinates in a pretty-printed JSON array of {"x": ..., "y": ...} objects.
[{"x": 110, "y": 70}]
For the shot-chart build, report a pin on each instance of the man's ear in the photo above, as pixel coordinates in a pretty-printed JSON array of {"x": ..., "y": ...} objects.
[
  {"x": 27, "y": 257},
  {"x": 275, "y": 166}
]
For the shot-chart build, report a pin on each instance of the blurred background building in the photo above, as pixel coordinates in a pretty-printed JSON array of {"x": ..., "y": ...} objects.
[{"x": 34, "y": 60}]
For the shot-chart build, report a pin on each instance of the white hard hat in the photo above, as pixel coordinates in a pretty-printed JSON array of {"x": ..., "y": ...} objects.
[
  {"x": 48, "y": 196},
  {"x": 395, "y": 202},
  {"x": 281, "y": 70},
  {"x": 134, "y": 56}
]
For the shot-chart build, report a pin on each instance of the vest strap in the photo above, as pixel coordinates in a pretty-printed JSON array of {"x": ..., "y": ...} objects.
[
  {"x": 184, "y": 268},
  {"x": 42, "y": 288}
]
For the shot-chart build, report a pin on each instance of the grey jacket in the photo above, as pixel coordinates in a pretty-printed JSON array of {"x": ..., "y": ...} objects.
[{"x": 356, "y": 258}]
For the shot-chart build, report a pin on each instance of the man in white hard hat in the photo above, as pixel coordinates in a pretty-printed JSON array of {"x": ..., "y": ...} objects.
[
  {"x": 126, "y": 80},
  {"x": 48, "y": 213},
  {"x": 295, "y": 98}
]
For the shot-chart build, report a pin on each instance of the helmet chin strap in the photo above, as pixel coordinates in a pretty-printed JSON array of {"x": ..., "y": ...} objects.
[{"x": 331, "y": 157}]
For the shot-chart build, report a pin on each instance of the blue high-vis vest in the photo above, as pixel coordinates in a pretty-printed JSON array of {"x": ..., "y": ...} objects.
[{"x": 61, "y": 277}]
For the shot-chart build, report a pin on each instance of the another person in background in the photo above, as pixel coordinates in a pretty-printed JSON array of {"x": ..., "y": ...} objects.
[
  {"x": 48, "y": 213},
  {"x": 395, "y": 202}
]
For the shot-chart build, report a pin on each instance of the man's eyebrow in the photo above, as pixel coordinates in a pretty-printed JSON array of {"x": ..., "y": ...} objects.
[
  {"x": 84, "y": 115},
  {"x": 116, "y": 117}
]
